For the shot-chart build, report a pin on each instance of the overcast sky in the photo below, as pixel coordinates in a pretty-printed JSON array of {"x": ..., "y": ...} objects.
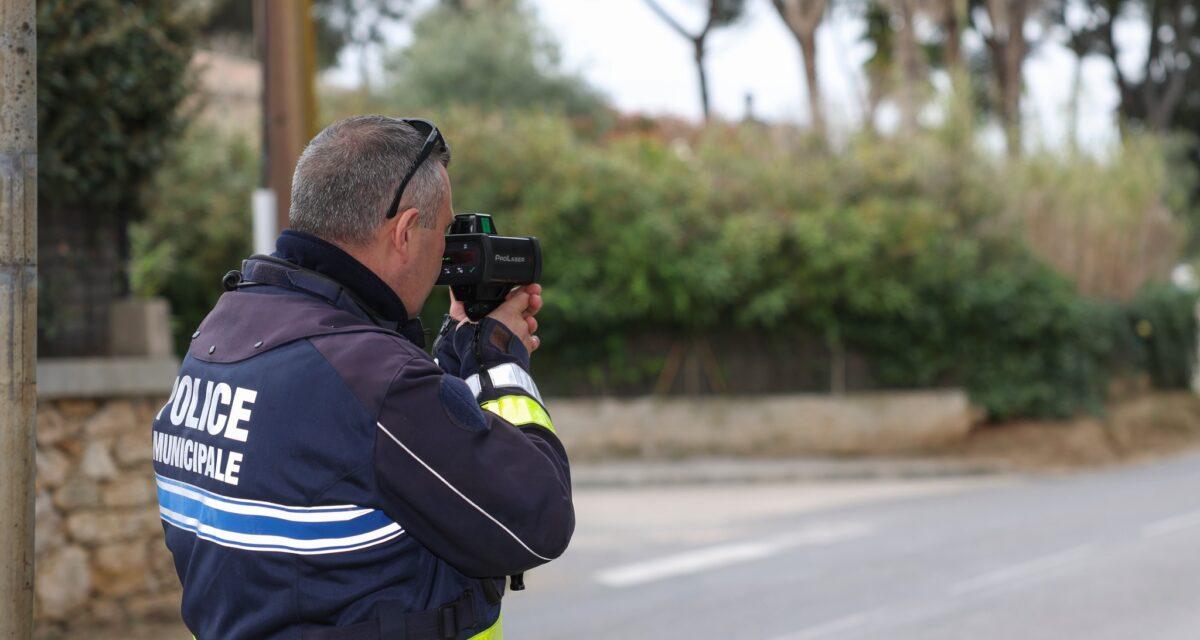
[{"x": 643, "y": 66}]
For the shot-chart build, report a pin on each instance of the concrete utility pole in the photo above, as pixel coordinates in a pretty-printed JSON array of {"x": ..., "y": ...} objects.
[
  {"x": 288, "y": 53},
  {"x": 18, "y": 312}
]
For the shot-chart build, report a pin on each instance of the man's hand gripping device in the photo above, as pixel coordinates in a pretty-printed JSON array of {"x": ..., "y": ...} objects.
[{"x": 482, "y": 267}]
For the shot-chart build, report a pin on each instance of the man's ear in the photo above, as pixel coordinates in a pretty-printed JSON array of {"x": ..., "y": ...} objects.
[{"x": 401, "y": 235}]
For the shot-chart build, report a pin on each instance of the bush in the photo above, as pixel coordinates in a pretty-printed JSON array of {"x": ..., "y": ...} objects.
[
  {"x": 875, "y": 249},
  {"x": 112, "y": 87},
  {"x": 698, "y": 235},
  {"x": 199, "y": 226},
  {"x": 112, "y": 75},
  {"x": 1163, "y": 320}
]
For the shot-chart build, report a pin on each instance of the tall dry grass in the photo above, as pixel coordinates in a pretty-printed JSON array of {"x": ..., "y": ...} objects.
[{"x": 1110, "y": 224}]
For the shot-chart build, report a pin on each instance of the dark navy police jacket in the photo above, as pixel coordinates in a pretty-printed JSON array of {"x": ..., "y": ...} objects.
[{"x": 320, "y": 476}]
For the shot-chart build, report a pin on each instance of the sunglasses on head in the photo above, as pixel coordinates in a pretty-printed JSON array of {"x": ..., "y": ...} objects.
[{"x": 433, "y": 139}]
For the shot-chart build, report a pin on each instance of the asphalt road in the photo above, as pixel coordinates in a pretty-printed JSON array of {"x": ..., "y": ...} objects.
[{"x": 1104, "y": 555}]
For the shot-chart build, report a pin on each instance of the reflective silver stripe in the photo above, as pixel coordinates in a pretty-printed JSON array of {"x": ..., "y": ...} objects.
[
  {"x": 473, "y": 382},
  {"x": 512, "y": 375},
  {"x": 507, "y": 375}
]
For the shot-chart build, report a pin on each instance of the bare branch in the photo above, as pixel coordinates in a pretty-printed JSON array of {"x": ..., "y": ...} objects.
[{"x": 674, "y": 24}]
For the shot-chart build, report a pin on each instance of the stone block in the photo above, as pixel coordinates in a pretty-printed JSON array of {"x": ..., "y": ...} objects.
[
  {"x": 129, "y": 490},
  {"x": 73, "y": 447},
  {"x": 52, "y": 427},
  {"x": 52, "y": 467},
  {"x": 134, "y": 450},
  {"x": 115, "y": 418},
  {"x": 97, "y": 462},
  {"x": 75, "y": 408},
  {"x": 64, "y": 581},
  {"x": 120, "y": 569},
  {"x": 148, "y": 408},
  {"x": 159, "y": 607},
  {"x": 76, "y": 493},
  {"x": 140, "y": 327},
  {"x": 106, "y": 611},
  {"x": 113, "y": 525},
  {"x": 47, "y": 533}
]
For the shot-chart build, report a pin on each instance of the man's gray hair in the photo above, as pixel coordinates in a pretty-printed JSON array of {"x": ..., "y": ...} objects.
[{"x": 348, "y": 174}]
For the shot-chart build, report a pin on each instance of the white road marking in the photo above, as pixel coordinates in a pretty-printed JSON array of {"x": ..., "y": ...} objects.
[
  {"x": 1171, "y": 525},
  {"x": 1023, "y": 572},
  {"x": 726, "y": 554},
  {"x": 835, "y": 627},
  {"x": 683, "y": 563}
]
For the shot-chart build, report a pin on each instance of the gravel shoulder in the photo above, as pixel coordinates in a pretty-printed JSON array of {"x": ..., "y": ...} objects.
[{"x": 1146, "y": 427}]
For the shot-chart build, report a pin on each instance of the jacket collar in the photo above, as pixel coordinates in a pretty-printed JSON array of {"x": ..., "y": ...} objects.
[
  {"x": 310, "y": 252},
  {"x": 309, "y": 264}
]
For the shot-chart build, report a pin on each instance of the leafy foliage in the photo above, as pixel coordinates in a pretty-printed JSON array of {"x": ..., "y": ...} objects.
[
  {"x": 893, "y": 252},
  {"x": 1163, "y": 318},
  {"x": 112, "y": 76},
  {"x": 493, "y": 57},
  {"x": 337, "y": 24},
  {"x": 200, "y": 227}
]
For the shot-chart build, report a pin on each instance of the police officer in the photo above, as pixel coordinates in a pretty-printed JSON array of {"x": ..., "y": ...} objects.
[{"x": 319, "y": 475}]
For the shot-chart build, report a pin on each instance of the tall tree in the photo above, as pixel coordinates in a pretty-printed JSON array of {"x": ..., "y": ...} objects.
[
  {"x": 720, "y": 13},
  {"x": 899, "y": 69},
  {"x": 338, "y": 24},
  {"x": 878, "y": 67},
  {"x": 1164, "y": 94},
  {"x": 1172, "y": 59},
  {"x": 950, "y": 16},
  {"x": 802, "y": 17},
  {"x": 357, "y": 23},
  {"x": 1001, "y": 24},
  {"x": 909, "y": 61},
  {"x": 1170, "y": 64},
  {"x": 1084, "y": 37},
  {"x": 492, "y": 56}
]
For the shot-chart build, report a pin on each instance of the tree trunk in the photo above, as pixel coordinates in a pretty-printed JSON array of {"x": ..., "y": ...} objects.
[
  {"x": 1073, "y": 104},
  {"x": 952, "y": 28},
  {"x": 698, "y": 56},
  {"x": 802, "y": 17},
  {"x": 808, "y": 50},
  {"x": 906, "y": 67},
  {"x": 1009, "y": 48},
  {"x": 1012, "y": 87}
]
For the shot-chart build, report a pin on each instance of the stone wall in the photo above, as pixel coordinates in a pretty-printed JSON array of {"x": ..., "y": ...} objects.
[
  {"x": 872, "y": 423},
  {"x": 99, "y": 551}
]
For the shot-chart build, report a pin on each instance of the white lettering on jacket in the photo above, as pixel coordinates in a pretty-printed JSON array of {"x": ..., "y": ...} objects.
[{"x": 215, "y": 407}]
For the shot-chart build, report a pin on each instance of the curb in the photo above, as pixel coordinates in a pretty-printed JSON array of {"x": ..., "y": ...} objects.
[{"x": 624, "y": 474}]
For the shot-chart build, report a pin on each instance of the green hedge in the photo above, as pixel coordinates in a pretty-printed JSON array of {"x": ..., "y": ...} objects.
[
  {"x": 199, "y": 226},
  {"x": 885, "y": 250},
  {"x": 1162, "y": 320},
  {"x": 112, "y": 82}
]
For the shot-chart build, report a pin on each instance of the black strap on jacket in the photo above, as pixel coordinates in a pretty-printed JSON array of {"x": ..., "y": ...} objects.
[
  {"x": 268, "y": 270},
  {"x": 442, "y": 623}
]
